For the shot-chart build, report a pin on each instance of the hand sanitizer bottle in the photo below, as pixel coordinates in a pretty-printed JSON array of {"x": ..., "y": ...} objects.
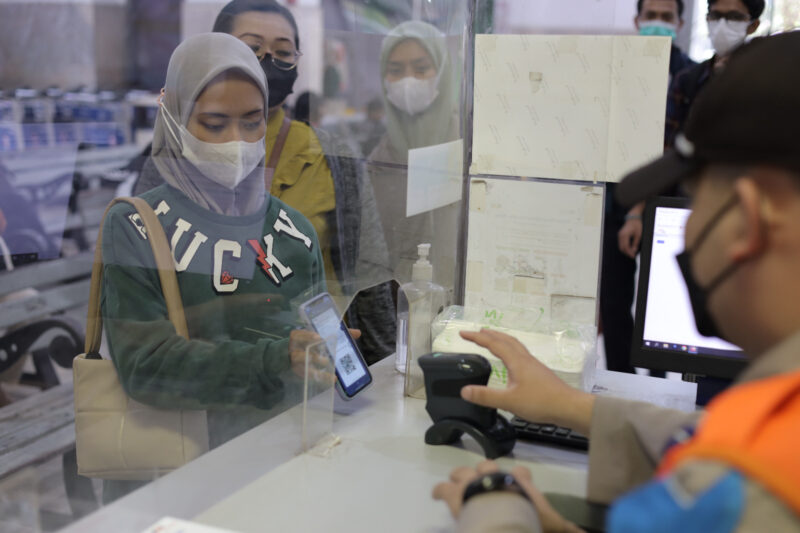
[{"x": 418, "y": 303}]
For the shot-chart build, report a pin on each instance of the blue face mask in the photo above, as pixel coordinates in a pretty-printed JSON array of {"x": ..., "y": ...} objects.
[{"x": 658, "y": 28}]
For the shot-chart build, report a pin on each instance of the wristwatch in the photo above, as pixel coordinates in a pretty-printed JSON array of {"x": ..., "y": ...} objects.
[{"x": 494, "y": 482}]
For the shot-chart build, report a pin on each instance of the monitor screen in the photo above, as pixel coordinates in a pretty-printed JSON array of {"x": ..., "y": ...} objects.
[{"x": 666, "y": 337}]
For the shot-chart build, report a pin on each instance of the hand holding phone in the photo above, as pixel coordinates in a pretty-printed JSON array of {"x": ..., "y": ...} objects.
[
  {"x": 299, "y": 342},
  {"x": 352, "y": 373}
]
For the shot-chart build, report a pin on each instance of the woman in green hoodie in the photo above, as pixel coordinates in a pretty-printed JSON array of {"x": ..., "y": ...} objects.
[{"x": 244, "y": 259}]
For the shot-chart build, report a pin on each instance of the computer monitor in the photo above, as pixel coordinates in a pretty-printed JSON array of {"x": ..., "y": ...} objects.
[{"x": 665, "y": 336}]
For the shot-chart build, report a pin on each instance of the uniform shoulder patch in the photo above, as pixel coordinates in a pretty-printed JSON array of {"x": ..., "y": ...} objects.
[{"x": 663, "y": 506}]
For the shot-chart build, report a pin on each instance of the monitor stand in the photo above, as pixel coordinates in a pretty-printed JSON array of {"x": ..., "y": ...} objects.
[{"x": 707, "y": 387}]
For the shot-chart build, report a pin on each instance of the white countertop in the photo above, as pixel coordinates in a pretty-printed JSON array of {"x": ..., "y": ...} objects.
[
  {"x": 380, "y": 475},
  {"x": 381, "y": 472}
]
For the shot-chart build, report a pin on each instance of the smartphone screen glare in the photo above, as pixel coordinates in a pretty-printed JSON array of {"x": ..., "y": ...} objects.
[{"x": 329, "y": 327}]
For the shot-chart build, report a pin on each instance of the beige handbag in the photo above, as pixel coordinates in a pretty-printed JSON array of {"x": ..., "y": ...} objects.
[{"x": 117, "y": 437}]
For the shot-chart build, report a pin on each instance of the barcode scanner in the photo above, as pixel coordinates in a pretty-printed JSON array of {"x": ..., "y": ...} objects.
[{"x": 445, "y": 376}]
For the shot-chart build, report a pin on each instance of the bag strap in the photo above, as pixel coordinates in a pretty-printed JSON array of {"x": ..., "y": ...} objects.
[
  {"x": 275, "y": 154},
  {"x": 166, "y": 273}
]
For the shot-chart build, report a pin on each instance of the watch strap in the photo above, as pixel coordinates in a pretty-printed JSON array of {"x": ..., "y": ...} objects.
[{"x": 494, "y": 482}]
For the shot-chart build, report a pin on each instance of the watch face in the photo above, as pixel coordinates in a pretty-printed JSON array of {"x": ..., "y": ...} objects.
[{"x": 494, "y": 482}]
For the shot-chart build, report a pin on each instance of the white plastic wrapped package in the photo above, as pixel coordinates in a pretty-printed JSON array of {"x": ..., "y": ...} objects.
[{"x": 568, "y": 350}]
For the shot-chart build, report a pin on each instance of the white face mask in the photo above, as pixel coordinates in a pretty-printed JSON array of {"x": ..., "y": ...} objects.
[
  {"x": 224, "y": 163},
  {"x": 412, "y": 95},
  {"x": 727, "y": 35}
]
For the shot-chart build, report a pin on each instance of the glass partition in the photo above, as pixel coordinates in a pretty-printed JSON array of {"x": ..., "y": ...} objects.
[{"x": 304, "y": 147}]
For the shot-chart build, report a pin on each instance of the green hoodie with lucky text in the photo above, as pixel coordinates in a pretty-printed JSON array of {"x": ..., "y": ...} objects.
[{"x": 241, "y": 279}]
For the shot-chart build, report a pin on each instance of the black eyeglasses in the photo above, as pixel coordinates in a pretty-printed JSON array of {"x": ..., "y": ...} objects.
[
  {"x": 281, "y": 52},
  {"x": 731, "y": 16},
  {"x": 288, "y": 60}
]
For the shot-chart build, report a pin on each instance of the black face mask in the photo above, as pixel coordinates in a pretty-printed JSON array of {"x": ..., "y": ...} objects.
[
  {"x": 698, "y": 295},
  {"x": 279, "y": 82}
]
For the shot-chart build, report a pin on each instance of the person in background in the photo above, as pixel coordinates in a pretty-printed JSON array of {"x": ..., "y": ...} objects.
[
  {"x": 320, "y": 176},
  {"x": 663, "y": 18},
  {"x": 302, "y": 177},
  {"x": 421, "y": 106},
  {"x": 316, "y": 174},
  {"x": 307, "y": 109},
  {"x": 729, "y": 24},
  {"x": 623, "y": 230},
  {"x": 370, "y": 131},
  {"x": 734, "y": 467}
]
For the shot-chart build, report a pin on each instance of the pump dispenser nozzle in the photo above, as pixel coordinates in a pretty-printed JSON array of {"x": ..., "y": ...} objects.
[
  {"x": 422, "y": 270},
  {"x": 418, "y": 303}
]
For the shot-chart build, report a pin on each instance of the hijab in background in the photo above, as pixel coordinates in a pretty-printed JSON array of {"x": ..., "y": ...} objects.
[
  {"x": 194, "y": 63},
  {"x": 435, "y": 125}
]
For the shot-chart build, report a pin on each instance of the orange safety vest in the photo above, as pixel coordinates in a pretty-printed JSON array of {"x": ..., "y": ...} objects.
[{"x": 755, "y": 428}]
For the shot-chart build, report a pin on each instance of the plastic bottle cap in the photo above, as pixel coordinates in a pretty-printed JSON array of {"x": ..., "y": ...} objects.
[{"x": 422, "y": 270}]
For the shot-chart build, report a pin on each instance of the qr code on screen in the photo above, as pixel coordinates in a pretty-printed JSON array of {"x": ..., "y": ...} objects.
[{"x": 347, "y": 364}]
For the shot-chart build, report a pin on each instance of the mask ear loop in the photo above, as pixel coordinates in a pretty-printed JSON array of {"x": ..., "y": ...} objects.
[
  {"x": 712, "y": 222},
  {"x": 710, "y": 225},
  {"x": 169, "y": 120}
]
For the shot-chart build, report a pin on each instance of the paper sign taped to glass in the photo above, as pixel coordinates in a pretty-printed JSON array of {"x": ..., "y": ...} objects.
[
  {"x": 533, "y": 253},
  {"x": 571, "y": 107},
  {"x": 434, "y": 176}
]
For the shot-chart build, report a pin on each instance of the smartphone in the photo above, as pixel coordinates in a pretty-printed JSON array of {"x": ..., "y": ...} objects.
[{"x": 352, "y": 373}]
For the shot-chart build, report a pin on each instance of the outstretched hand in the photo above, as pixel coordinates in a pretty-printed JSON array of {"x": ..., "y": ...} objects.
[{"x": 534, "y": 392}]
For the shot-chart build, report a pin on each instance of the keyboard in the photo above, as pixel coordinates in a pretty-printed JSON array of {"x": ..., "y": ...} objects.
[{"x": 549, "y": 434}]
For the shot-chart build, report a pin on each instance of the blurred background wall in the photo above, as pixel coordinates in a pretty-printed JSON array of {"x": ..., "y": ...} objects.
[
  {"x": 65, "y": 43},
  {"x": 126, "y": 44}
]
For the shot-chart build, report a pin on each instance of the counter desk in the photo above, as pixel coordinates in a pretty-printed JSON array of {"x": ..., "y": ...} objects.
[{"x": 379, "y": 476}]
